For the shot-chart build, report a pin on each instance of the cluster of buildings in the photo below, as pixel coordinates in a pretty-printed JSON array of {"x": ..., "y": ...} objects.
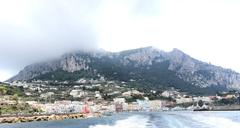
[
  {"x": 87, "y": 99},
  {"x": 118, "y": 105}
]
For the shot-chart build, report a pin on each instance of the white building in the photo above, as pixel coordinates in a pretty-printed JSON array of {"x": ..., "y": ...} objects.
[
  {"x": 78, "y": 93},
  {"x": 46, "y": 95},
  {"x": 184, "y": 100},
  {"x": 155, "y": 105},
  {"x": 170, "y": 94},
  {"x": 98, "y": 96},
  {"x": 119, "y": 100},
  {"x": 132, "y": 92},
  {"x": 204, "y": 99},
  {"x": 82, "y": 81}
]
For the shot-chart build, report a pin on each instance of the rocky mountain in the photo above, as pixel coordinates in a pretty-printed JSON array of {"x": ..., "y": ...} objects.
[{"x": 147, "y": 67}]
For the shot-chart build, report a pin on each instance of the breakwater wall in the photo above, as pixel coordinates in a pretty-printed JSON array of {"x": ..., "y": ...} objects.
[{"x": 31, "y": 118}]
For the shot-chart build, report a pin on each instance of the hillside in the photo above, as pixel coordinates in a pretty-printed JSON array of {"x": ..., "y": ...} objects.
[{"x": 147, "y": 68}]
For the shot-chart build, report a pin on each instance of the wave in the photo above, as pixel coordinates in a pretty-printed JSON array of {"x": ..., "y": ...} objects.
[
  {"x": 136, "y": 121},
  {"x": 216, "y": 122},
  {"x": 176, "y": 120}
]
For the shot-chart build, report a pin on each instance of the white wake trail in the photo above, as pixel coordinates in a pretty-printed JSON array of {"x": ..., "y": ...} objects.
[
  {"x": 131, "y": 122},
  {"x": 217, "y": 122}
]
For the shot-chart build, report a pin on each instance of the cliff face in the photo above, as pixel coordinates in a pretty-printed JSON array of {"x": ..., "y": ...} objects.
[
  {"x": 72, "y": 63},
  {"x": 156, "y": 67},
  {"x": 203, "y": 74}
]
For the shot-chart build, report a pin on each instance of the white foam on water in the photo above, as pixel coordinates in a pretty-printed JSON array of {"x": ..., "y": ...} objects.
[
  {"x": 216, "y": 122},
  {"x": 171, "y": 121},
  {"x": 131, "y": 122}
]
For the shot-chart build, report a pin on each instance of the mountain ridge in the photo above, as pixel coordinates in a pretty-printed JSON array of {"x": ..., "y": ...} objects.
[{"x": 147, "y": 65}]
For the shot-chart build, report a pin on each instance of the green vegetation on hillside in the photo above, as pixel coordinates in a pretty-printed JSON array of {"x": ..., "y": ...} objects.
[
  {"x": 61, "y": 75},
  {"x": 11, "y": 90},
  {"x": 13, "y": 93},
  {"x": 17, "y": 108}
]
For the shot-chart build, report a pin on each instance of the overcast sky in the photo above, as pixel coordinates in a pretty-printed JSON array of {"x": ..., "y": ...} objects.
[{"x": 36, "y": 30}]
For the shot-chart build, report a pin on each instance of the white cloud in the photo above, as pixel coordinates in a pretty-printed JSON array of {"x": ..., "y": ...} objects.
[{"x": 32, "y": 30}]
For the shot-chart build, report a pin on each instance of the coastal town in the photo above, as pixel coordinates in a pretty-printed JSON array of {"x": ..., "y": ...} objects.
[{"x": 91, "y": 97}]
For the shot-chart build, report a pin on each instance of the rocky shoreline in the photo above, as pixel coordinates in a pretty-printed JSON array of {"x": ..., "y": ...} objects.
[{"x": 18, "y": 119}]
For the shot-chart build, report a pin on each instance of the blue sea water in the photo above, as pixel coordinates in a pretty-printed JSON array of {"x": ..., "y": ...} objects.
[{"x": 229, "y": 119}]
